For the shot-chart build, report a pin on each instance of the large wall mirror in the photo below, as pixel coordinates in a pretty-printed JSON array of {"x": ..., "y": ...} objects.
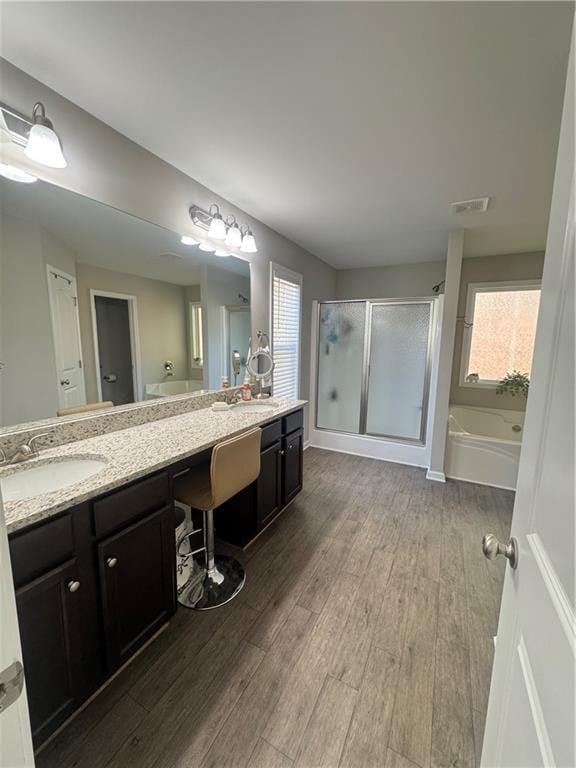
[{"x": 97, "y": 305}]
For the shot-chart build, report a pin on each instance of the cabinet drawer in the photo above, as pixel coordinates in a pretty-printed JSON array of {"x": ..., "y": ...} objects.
[
  {"x": 40, "y": 549},
  {"x": 293, "y": 421},
  {"x": 127, "y": 505},
  {"x": 271, "y": 433}
]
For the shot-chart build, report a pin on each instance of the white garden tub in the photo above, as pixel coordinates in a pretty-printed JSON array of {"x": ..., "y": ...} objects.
[
  {"x": 483, "y": 445},
  {"x": 166, "y": 388}
]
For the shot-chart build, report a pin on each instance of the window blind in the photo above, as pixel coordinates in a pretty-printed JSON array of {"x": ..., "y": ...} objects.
[{"x": 286, "y": 306}]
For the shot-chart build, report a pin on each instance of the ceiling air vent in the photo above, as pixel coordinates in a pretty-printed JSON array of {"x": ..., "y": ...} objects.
[{"x": 478, "y": 205}]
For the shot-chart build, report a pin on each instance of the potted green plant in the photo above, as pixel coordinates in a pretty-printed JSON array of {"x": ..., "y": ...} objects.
[{"x": 515, "y": 383}]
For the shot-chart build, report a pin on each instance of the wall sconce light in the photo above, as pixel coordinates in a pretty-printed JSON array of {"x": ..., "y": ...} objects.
[
  {"x": 36, "y": 136},
  {"x": 227, "y": 229}
]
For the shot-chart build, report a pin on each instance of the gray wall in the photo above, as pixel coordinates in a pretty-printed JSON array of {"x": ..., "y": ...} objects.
[
  {"x": 28, "y": 381},
  {"x": 401, "y": 281},
  {"x": 108, "y": 167},
  {"x": 485, "y": 269}
]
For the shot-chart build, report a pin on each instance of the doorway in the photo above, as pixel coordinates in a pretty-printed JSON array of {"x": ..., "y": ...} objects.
[
  {"x": 115, "y": 329},
  {"x": 238, "y": 332}
]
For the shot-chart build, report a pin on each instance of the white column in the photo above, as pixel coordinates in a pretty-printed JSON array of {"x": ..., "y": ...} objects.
[{"x": 440, "y": 389}]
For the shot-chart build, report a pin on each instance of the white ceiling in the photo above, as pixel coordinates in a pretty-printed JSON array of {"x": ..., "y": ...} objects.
[
  {"x": 348, "y": 127},
  {"x": 104, "y": 237}
]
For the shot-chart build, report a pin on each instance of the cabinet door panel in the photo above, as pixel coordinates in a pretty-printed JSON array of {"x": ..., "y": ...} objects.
[
  {"x": 137, "y": 577},
  {"x": 49, "y": 616},
  {"x": 269, "y": 484},
  {"x": 292, "y": 465}
]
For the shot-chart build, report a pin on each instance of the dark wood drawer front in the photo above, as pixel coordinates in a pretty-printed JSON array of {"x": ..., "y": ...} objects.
[
  {"x": 117, "y": 510},
  {"x": 36, "y": 551},
  {"x": 293, "y": 421},
  {"x": 271, "y": 433}
]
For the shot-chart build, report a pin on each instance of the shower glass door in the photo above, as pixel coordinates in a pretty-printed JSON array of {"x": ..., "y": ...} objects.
[
  {"x": 340, "y": 365},
  {"x": 398, "y": 369}
]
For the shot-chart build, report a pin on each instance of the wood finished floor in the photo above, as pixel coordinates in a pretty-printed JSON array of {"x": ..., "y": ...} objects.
[{"x": 363, "y": 639}]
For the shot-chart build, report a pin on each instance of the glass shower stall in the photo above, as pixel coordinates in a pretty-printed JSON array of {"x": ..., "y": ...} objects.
[{"x": 373, "y": 367}]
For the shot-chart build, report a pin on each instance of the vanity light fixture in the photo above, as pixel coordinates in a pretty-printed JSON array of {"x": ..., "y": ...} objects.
[
  {"x": 234, "y": 236},
  {"x": 221, "y": 252},
  {"x": 43, "y": 144},
  {"x": 248, "y": 241},
  {"x": 16, "y": 174},
  {"x": 207, "y": 247},
  {"x": 187, "y": 240},
  {"x": 217, "y": 228},
  {"x": 226, "y": 229}
]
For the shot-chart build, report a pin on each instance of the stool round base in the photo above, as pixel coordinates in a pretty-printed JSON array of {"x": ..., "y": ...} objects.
[{"x": 217, "y": 588}]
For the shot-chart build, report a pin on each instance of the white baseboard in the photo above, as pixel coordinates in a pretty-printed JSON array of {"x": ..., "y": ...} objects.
[
  {"x": 481, "y": 482},
  {"x": 439, "y": 477},
  {"x": 307, "y": 444}
]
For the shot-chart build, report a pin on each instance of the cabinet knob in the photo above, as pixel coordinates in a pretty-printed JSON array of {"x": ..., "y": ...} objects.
[
  {"x": 111, "y": 562},
  {"x": 73, "y": 586}
]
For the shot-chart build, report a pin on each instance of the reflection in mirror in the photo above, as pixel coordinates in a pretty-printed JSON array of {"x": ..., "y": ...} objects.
[{"x": 97, "y": 306}]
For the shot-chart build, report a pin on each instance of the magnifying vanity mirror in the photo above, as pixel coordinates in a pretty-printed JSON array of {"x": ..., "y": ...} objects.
[
  {"x": 260, "y": 364},
  {"x": 98, "y": 306}
]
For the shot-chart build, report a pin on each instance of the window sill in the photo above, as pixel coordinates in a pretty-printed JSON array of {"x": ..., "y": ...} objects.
[{"x": 479, "y": 384}]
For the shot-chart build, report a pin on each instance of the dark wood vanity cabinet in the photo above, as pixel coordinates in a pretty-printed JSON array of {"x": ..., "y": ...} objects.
[
  {"x": 137, "y": 588},
  {"x": 79, "y": 618},
  {"x": 96, "y": 582}
]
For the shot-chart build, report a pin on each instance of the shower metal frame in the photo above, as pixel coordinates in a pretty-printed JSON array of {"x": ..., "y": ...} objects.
[{"x": 364, "y": 391}]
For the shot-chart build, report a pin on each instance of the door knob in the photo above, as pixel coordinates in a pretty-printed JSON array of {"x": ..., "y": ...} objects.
[
  {"x": 492, "y": 548},
  {"x": 73, "y": 586},
  {"x": 111, "y": 562},
  {"x": 65, "y": 382}
]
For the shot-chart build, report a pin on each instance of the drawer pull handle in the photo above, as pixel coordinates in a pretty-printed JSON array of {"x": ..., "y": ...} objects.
[
  {"x": 111, "y": 562},
  {"x": 73, "y": 586}
]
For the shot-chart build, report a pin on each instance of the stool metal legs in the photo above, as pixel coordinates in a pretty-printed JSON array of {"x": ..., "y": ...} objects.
[{"x": 223, "y": 579}]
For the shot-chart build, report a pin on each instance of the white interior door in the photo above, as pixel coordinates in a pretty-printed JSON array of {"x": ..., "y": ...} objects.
[
  {"x": 66, "y": 330},
  {"x": 15, "y": 736},
  {"x": 531, "y": 713}
]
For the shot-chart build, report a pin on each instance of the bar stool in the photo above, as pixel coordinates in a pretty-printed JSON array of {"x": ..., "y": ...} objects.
[{"x": 235, "y": 464}]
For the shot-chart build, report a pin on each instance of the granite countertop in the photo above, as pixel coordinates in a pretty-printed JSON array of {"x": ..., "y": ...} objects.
[{"x": 133, "y": 453}]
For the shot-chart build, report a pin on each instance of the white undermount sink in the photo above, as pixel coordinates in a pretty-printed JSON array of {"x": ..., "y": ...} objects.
[
  {"x": 45, "y": 476},
  {"x": 256, "y": 406}
]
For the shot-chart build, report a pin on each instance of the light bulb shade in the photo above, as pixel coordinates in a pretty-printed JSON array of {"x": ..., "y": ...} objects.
[
  {"x": 15, "y": 174},
  {"x": 234, "y": 237},
  {"x": 44, "y": 147},
  {"x": 248, "y": 243},
  {"x": 207, "y": 247},
  {"x": 217, "y": 230},
  {"x": 5, "y": 137},
  {"x": 187, "y": 240}
]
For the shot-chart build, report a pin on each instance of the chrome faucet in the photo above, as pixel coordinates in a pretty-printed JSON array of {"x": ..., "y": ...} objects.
[{"x": 26, "y": 451}]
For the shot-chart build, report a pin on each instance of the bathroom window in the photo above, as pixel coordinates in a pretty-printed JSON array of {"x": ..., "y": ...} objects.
[
  {"x": 499, "y": 331},
  {"x": 196, "y": 333},
  {"x": 285, "y": 310}
]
